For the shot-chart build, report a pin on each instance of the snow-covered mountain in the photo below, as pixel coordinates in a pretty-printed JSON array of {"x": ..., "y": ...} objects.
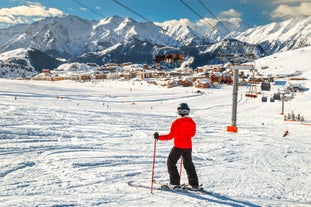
[
  {"x": 57, "y": 36},
  {"x": 291, "y": 34},
  {"x": 24, "y": 63},
  {"x": 118, "y": 39}
]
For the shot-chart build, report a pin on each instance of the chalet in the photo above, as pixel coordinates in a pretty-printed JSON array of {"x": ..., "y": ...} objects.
[
  {"x": 41, "y": 77},
  {"x": 215, "y": 78},
  {"x": 145, "y": 74},
  {"x": 126, "y": 64},
  {"x": 203, "y": 83},
  {"x": 174, "y": 74},
  {"x": 45, "y": 75},
  {"x": 185, "y": 83},
  {"x": 85, "y": 77},
  {"x": 113, "y": 75},
  {"x": 145, "y": 66},
  {"x": 46, "y": 71},
  {"x": 101, "y": 76},
  {"x": 58, "y": 78},
  {"x": 92, "y": 64},
  {"x": 126, "y": 75}
]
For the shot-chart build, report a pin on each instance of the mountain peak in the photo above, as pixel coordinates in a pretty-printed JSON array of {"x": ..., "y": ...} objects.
[
  {"x": 118, "y": 39},
  {"x": 282, "y": 36}
]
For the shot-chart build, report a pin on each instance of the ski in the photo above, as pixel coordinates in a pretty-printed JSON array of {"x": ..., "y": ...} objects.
[
  {"x": 164, "y": 187},
  {"x": 159, "y": 186},
  {"x": 190, "y": 188}
]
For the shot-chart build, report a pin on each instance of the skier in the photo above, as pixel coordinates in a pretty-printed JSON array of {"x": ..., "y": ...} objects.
[{"x": 182, "y": 130}]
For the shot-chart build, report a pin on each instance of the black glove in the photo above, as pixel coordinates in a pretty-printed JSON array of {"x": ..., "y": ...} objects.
[{"x": 156, "y": 136}]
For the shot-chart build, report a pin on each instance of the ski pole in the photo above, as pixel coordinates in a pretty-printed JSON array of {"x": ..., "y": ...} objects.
[
  {"x": 153, "y": 161},
  {"x": 181, "y": 161}
]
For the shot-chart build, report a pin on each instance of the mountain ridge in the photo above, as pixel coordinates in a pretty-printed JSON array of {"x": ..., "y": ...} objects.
[{"x": 117, "y": 39}]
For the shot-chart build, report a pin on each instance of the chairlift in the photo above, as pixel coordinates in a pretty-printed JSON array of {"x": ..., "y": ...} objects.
[
  {"x": 264, "y": 98},
  {"x": 168, "y": 54},
  {"x": 252, "y": 93},
  {"x": 271, "y": 99},
  {"x": 265, "y": 86}
]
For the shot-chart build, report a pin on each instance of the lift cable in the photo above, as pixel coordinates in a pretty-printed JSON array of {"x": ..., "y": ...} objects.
[
  {"x": 148, "y": 20},
  {"x": 136, "y": 13},
  {"x": 191, "y": 9},
  {"x": 201, "y": 2},
  {"x": 131, "y": 10},
  {"x": 185, "y": 4}
]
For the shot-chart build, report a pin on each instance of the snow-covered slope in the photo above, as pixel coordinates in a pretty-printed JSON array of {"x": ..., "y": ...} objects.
[
  {"x": 16, "y": 64},
  {"x": 287, "y": 63},
  {"x": 18, "y": 53},
  {"x": 25, "y": 63},
  {"x": 80, "y": 144}
]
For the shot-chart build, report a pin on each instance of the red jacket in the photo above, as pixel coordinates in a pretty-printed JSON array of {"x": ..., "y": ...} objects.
[{"x": 182, "y": 131}]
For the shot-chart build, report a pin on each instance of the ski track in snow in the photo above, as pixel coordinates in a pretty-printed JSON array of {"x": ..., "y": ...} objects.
[{"x": 83, "y": 148}]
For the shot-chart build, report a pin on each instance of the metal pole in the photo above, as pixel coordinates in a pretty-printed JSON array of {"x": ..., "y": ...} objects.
[
  {"x": 153, "y": 161},
  {"x": 235, "y": 96},
  {"x": 282, "y": 113},
  {"x": 236, "y": 69}
]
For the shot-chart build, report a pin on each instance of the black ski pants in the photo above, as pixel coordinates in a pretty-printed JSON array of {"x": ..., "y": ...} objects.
[{"x": 172, "y": 160}]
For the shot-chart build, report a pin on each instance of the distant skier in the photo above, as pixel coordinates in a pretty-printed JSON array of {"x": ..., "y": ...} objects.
[
  {"x": 285, "y": 133},
  {"x": 182, "y": 131}
]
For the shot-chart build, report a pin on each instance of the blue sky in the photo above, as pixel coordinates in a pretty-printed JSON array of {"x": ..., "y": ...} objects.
[{"x": 254, "y": 12}]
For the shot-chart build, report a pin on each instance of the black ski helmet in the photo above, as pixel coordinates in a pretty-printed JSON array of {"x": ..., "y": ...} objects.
[{"x": 183, "y": 109}]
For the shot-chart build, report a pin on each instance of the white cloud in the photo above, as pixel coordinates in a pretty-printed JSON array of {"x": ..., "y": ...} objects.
[
  {"x": 230, "y": 13},
  {"x": 26, "y": 13},
  {"x": 287, "y": 1},
  {"x": 184, "y": 22},
  {"x": 6, "y": 19},
  {"x": 207, "y": 21},
  {"x": 286, "y": 11}
]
